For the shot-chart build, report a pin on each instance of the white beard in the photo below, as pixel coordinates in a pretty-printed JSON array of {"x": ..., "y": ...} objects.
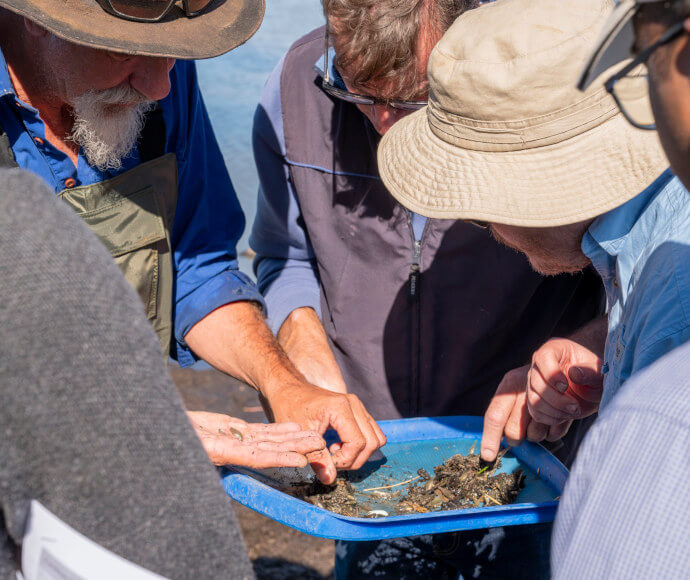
[{"x": 106, "y": 130}]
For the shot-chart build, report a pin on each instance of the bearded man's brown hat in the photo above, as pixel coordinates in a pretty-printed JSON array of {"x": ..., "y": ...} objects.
[{"x": 222, "y": 26}]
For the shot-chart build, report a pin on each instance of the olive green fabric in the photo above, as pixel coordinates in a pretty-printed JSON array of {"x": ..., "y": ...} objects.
[{"x": 132, "y": 214}]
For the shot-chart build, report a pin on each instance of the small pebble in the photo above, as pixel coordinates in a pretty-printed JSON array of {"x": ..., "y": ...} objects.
[{"x": 378, "y": 513}]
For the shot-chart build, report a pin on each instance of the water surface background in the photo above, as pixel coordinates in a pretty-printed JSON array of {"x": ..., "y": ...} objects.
[{"x": 232, "y": 84}]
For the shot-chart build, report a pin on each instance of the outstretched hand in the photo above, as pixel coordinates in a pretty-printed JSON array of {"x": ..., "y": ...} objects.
[
  {"x": 539, "y": 401},
  {"x": 231, "y": 441},
  {"x": 318, "y": 409}
]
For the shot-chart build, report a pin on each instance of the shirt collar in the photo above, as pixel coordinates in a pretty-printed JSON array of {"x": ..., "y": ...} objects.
[
  {"x": 6, "y": 86},
  {"x": 607, "y": 235},
  {"x": 611, "y": 228}
]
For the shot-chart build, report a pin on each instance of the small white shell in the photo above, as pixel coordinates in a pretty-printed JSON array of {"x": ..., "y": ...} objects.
[{"x": 378, "y": 513}]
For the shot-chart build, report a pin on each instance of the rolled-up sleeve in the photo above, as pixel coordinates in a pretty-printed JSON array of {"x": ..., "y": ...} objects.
[
  {"x": 208, "y": 219},
  {"x": 285, "y": 265}
]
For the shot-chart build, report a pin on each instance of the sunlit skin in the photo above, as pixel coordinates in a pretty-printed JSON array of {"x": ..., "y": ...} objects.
[
  {"x": 669, "y": 87},
  {"x": 47, "y": 72},
  {"x": 550, "y": 251},
  {"x": 383, "y": 117}
]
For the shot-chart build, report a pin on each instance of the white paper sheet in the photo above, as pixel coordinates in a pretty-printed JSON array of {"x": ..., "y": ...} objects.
[{"x": 52, "y": 550}]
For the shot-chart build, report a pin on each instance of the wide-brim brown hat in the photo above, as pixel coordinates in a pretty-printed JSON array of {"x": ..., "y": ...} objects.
[
  {"x": 221, "y": 27},
  {"x": 507, "y": 137}
]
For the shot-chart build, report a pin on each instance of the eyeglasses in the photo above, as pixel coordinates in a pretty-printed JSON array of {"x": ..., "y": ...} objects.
[
  {"x": 333, "y": 84},
  {"x": 151, "y": 10},
  {"x": 630, "y": 85}
]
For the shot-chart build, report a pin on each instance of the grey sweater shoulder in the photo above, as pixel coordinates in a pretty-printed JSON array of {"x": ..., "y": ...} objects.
[{"x": 90, "y": 423}]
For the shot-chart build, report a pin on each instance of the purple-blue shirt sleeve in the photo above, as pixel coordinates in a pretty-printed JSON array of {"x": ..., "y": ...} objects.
[
  {"x": 208, "y": 219},
  {"x": 285, "y": 265}
]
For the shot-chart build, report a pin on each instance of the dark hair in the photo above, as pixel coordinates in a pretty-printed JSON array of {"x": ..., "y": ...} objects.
[
  {"x": 377, "y": 39},
  {"x": 668, "y": 12}
]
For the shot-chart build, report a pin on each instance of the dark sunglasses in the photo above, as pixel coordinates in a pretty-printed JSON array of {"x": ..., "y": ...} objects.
[
  {"x": 151, "y": 10},
  {"x": 333, "y": 84}
]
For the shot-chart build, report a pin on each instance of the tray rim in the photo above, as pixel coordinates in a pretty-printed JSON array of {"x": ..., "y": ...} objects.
[{"x": 322, "y": 523}]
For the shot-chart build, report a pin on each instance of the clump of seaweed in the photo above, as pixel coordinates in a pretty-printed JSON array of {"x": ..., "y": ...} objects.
[
  {"x": 338, "y": 497},
  {"x": 462, "y": 481}
]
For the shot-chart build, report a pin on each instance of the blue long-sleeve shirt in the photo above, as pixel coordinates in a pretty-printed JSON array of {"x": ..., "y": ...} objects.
[{"x": 208, "y": 219}]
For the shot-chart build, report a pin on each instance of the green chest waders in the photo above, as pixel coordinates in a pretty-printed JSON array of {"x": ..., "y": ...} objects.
[{"x": 132, "y": 214}]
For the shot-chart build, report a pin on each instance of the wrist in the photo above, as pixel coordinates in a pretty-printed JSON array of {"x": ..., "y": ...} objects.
[{"x": 280, "y": 377}]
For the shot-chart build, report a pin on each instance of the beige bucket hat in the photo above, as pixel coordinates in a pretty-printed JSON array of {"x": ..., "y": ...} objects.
[{"x": 507, "y": 137}]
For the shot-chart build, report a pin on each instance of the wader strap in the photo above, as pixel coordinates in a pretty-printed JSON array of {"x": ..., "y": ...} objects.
[{"x": 6, "y": 154}]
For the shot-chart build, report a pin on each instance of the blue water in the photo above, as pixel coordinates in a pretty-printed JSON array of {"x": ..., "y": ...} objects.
[{"x": 232, "y": 84}]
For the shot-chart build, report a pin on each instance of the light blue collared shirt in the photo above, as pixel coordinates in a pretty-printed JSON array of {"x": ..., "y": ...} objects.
[{"x": 642, "y": 252}]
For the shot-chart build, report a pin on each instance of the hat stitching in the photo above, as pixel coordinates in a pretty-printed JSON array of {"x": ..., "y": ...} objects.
[
  {"x": 600, "y": 96},
  {"x": 442, "y": 206},
  {"x": 581, "y": 36}
]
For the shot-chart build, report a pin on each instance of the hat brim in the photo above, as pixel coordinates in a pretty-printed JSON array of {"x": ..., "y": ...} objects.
[
  {"x": 614, "y": 44},
  {"x": 564, "y": 183},
  {"x": 224, "y": 25}
]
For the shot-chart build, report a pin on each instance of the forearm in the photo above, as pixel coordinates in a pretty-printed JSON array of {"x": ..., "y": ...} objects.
[
  {"x": 236, "y": 340},
  {"x": 593, "y": 335},
  {"x": 304, "y": 339}
]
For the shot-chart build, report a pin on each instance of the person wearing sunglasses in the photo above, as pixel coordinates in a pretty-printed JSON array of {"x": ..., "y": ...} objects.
[
  {"x": 369, "y": 298},
  {"x": 637, "y": 449},
  {"x": 100, "y": 99}
]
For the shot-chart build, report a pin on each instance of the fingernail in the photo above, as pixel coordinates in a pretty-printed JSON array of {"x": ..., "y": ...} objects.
[
  {"x": 577, "y": 375},
  {"x": 561, "y": 386},
  {"x": 571, "y": 409}
]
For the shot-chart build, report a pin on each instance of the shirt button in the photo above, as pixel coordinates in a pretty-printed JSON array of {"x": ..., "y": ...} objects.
[
  {"x": 619, "y": 351},
  {"x": 615, "y": 282},
  {"x": 38, "y": 141},
  {"x": 70, "y": 182}
]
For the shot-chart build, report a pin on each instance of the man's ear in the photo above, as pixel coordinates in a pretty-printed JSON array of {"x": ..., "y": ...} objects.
[
  {"x": 33, "y": 28},
  {"x": 686, "y": 25}
]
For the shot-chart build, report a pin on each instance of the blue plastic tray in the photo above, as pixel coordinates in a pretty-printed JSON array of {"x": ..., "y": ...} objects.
[{"x": 412, "y": 443}]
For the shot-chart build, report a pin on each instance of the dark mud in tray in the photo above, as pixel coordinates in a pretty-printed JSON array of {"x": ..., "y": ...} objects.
[{"x": 463, "y": 481}]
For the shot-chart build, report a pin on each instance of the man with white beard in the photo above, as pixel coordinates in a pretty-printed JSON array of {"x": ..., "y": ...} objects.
[{"x": 93, "y": 100}]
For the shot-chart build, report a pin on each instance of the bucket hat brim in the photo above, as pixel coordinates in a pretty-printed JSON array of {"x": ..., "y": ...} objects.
[
  {"x": 224, "y": 25},
  {"x": 563, "y": 183},
  {"x": 614, "y": 45}
]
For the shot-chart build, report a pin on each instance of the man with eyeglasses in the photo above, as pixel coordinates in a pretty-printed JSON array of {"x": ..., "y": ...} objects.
[
  {"x": 416, "y": 316},
  {"x": 581, "y": 185},
  {"x": 93, "y": 101},
  {"x": 638, "y": 448}
]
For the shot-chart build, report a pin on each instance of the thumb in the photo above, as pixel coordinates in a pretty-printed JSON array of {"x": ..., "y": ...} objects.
[{"x": 586, "y": 375}]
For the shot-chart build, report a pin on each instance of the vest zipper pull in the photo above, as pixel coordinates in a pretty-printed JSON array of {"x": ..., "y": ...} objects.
[{"x": 414, "y": 270}]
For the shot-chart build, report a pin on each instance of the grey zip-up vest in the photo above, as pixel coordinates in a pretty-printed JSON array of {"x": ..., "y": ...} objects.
[{"x": 417, "y": 329}]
